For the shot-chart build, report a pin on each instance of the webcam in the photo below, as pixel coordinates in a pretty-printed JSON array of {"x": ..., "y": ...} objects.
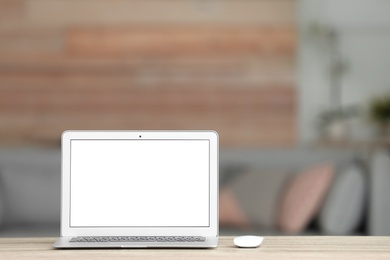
[{"x": 140, "y": 136}]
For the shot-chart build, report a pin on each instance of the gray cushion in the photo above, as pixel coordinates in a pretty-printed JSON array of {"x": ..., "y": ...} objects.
[
  {"x": 342, "y": 211},
  {"x": 258, "y": 193},
  {"x": 379, "y": 218},
  {"x": 1, "y": 200},
  {"x": 31, "y": 181}
]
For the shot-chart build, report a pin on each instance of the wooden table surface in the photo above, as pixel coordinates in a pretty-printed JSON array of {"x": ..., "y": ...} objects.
[{"x": 272, "y": 248}]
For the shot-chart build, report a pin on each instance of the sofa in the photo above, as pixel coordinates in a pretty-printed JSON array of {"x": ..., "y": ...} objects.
[
  {"x": 305, "y": 190},
  {"x": 259, "y": 180}
]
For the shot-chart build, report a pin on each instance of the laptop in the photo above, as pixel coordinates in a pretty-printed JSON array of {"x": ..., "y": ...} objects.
[{"x": 138, "y": 189}]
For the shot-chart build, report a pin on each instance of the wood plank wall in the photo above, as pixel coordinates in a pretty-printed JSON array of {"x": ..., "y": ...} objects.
[{"x": 226, "y": 65}]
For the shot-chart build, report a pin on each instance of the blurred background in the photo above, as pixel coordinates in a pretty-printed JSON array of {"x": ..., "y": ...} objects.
[{"x": 298, "y": 90}]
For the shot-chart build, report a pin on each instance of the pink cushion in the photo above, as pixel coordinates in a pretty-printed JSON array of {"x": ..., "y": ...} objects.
[
  {"x": 303, "y": 197},
  {"x": 230, "y": 212}
]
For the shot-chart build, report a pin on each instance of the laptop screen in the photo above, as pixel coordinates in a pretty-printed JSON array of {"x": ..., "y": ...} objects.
[{"x": 139, "y": 183}]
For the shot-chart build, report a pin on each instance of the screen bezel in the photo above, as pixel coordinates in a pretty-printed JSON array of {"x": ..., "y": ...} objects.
[{"x": 212, "y": 230}]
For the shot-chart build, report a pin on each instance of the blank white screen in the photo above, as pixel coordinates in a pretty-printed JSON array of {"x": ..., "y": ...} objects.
[{"x": 127, "y": 183}]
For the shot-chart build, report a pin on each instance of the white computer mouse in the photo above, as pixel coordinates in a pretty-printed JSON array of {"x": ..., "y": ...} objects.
[{"x": 248, "y": 241}]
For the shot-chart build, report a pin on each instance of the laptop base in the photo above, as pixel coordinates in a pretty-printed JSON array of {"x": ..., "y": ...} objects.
[{"x": 64, "y": 242}]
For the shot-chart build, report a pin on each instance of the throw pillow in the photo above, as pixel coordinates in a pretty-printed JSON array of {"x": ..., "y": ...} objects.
[
  {"x": 303, "y": 197},
  {"x": 343, "y": 207}
]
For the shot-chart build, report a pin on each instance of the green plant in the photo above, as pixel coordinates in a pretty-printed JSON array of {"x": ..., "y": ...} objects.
[
  {"x": 379, "y": 110},
  {"x": 329, "y": 116}
]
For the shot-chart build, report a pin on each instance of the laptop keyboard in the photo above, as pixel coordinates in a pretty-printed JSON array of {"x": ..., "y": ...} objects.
[{"x": 137, "y": 239}]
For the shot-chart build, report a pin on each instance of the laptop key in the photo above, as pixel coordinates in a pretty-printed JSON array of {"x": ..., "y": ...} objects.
[{"x": 120, "y": 239}]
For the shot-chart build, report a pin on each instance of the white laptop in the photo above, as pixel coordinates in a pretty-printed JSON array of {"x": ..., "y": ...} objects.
[{"x": 124, "y": 189}]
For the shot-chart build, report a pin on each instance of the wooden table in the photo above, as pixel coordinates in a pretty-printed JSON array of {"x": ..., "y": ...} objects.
[{"x": 272, "y": 248}]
